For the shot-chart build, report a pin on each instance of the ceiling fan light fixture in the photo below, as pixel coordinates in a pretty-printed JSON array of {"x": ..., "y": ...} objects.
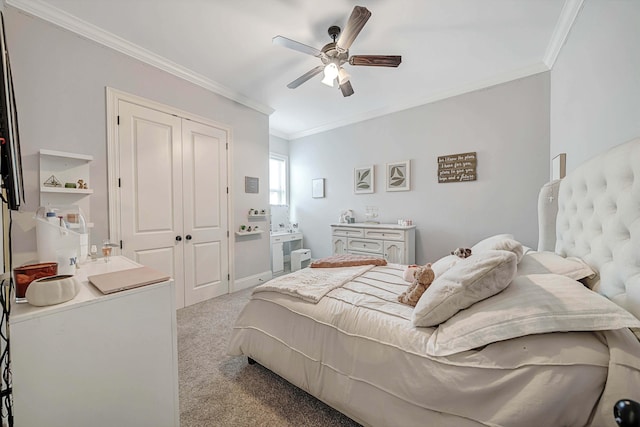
[
  {"x": 343, "y": 76},
  {"x": 330, "y": 74}
]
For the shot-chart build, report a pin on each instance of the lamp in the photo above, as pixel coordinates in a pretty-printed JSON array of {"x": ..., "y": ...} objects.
[
  {"x": 330, "y": 74},
  {"x": 343, "y": 76}
]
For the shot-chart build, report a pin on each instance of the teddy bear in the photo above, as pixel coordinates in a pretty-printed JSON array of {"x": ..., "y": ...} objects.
[
  {"x": 423, "y": 277},
  {"x": 408, "y": 272},
  {"x": 462, "y": 252}
]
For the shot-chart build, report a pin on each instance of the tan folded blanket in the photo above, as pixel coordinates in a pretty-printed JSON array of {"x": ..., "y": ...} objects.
[{"x": 347, "y": 260}]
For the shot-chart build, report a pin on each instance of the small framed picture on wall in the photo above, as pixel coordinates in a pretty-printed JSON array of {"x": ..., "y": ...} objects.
[
  {"x": 317, "y": 188},
  {"x": 399, "y": 176},
  {"x": 363, "y": 180}
]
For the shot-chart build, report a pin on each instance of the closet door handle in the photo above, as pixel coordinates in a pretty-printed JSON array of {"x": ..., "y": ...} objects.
[
  {"x": 188, "y": 237},
  {"x": 178, "y": 238}
]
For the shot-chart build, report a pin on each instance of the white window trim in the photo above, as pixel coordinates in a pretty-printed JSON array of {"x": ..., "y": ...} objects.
[{"x": 284, "y": 158}]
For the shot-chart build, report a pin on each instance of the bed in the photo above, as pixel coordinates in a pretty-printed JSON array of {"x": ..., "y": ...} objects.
[{"x": 506, "y": 337}]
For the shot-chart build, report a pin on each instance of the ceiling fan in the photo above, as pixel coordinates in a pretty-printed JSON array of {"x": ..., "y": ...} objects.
[{"x": 335, "y": 54}]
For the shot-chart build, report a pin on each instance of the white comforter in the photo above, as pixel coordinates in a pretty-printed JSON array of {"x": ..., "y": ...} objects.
[
  {"x": 311, "y": 284},
  {"x": 356, "y": 350}
]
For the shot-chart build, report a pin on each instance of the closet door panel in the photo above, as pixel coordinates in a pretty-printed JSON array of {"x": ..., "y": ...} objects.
[
  {"x": 162, "y": 259},
  {"x": 153, "y": 186},
  {"x": 151, "y": 215},
  {"x": 205, "y": 211}
]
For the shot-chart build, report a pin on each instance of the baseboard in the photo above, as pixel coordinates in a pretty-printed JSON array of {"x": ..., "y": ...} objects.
[{"x": 249, "y": 281}]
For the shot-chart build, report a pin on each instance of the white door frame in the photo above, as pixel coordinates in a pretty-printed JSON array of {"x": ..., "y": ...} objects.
[{"x": 113, "y": 96}]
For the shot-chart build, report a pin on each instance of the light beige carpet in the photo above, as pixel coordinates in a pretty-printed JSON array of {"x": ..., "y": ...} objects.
[{"x": 220, "y": 390}]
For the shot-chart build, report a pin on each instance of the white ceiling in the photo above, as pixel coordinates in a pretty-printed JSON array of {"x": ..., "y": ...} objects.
[{"x": 448, "y": 47}]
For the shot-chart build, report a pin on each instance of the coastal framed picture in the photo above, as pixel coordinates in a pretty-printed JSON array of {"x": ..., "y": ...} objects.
[
  {"x": 398, "y": 176},
  {"x": 363, "y": 180}
]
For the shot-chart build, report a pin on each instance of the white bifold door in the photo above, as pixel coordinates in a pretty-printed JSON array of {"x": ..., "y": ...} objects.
[{"x": 173, "y": 199}]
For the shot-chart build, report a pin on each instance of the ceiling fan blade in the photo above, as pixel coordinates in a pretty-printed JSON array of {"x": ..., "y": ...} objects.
[
  {"x": 306, "y": 76},
  {"x": 292, "y": 44},
  {"x": 346, "y": 88},
  {"x": 376, "y": 60},
  {"x": 358, "y": 18}
]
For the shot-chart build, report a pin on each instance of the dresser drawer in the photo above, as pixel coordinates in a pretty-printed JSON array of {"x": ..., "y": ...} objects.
[
  {"x": 369, "y": 254},
  {"x": 347, "y": 231},
  {"x": 364, "y": 245},
  {"x": 384, "y": 234},
  {"x": 290, "y": 237}
]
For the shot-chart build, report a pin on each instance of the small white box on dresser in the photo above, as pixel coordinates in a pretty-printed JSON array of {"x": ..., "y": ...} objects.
[{"x": 395, "y": 243}]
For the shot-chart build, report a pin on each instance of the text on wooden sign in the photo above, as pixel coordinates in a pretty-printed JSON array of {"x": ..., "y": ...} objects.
[{"x": 457, "y": 167}]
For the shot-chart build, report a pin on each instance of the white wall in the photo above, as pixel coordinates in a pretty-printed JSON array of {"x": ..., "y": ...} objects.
[
  {"x": 278, "y": 145},
  {"x": 60, "y": 81},
  {"x": 595, "y": 82},
  {"x": 507, "y": 125}
]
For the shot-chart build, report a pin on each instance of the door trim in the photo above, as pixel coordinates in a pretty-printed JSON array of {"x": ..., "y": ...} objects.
[{"x": 113, "y": 97}]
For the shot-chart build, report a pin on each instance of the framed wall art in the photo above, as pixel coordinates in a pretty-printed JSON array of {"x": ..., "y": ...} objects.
[
  {"x": 399, "y": 176},
  {"x": 363, "y": 180},
  {"x": 251, "y": 184},
  {"x": 317, "y": 188}
]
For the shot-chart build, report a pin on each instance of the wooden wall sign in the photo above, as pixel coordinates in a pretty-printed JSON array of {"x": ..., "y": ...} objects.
[{"x": 457, "y": 167}]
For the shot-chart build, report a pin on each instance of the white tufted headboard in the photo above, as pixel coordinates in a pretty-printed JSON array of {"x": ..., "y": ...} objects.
[{"x": 598, "y": 220}]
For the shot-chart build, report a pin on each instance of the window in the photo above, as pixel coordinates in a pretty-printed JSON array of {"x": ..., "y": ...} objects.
[{"x": 277, "y": 179}]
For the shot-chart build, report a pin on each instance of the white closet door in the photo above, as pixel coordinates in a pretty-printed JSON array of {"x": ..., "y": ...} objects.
[
  {"x": 206, "y": 257},
  {"x": 150, "y": 155}
]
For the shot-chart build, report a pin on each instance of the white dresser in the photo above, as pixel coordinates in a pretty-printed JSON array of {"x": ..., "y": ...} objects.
[
  {"x": 395, "y": 243},
  {"x": 97, "y": 360}
]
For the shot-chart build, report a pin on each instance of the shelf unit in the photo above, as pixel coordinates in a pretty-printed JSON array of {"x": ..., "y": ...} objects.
[
  {"x": 247, "y": 233},
  {"x": 66, "y": 167}
]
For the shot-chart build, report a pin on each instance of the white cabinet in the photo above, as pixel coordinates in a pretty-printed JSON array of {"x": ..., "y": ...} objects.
[
  {"x": 281, "y": 246},
  {"x": 339, "y": 245},
  {"x": 395, "y": 243},
  {"x": 97, "y": 360}
]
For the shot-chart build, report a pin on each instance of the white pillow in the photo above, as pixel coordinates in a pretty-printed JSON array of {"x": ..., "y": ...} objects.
[
  {"x": 442, "y": 265},
  {"x": 500, "y": 242},
  {"x": 489, "y": 242},
  {"x": 533, "y": 304},
  {"x": 550, "y": 262},
  {"x": 470, "y": 280}
]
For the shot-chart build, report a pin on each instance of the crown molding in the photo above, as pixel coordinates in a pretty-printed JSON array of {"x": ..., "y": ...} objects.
[
  {"x": 71, "y": 23},
  {"x": 278, "y": 133},
  {"x": 531, "y": 70},
  {"x": 568, "y": 15}
]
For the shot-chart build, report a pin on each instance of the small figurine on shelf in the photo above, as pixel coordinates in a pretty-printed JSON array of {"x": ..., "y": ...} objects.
[
  {"x": 248, "y": 228},
  {"x": 82, "y": 185},
  {"x": 52, "y": 181}
]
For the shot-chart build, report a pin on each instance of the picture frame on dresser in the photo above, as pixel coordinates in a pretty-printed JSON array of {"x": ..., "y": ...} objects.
[
  {"x": 364, "y": 180},
  {"x": 398, "y": 177}
]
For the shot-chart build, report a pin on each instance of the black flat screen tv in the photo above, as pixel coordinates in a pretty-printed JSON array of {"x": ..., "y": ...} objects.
[{"x": 10, "y": 157}]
